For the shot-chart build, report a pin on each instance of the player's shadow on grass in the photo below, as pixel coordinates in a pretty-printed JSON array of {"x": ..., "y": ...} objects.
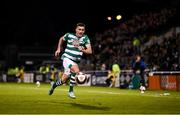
[{"x": 89, "y": 107}]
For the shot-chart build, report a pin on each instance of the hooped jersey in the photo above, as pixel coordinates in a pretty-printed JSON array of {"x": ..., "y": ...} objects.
[{"x": 71, "y": 50}]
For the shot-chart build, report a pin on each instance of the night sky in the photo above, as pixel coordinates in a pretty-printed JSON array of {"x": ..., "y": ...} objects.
[{"x": 43, "y": 22}]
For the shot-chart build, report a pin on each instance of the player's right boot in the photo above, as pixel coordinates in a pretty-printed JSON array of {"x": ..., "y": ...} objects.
[
  {"x": 51, "y": 91},
  {"x": 54, "y": 85},
  {"x": 52, "y": 88}
]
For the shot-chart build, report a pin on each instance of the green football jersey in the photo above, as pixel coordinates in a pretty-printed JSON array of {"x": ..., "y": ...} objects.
[{"x": 71, "y": 51}]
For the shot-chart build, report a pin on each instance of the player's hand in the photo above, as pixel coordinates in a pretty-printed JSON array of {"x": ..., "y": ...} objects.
[
  {"x": 81, "y": 48},
  {"x": 57, "y": 53}
]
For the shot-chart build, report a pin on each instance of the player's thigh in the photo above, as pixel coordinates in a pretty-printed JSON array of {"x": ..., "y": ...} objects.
[
  {"x": 75, "y": 68},
  {"x": 70, "y": 65}
]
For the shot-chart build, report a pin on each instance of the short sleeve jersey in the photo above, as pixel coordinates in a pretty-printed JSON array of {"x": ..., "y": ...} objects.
[{"x": 71, "y": 51}]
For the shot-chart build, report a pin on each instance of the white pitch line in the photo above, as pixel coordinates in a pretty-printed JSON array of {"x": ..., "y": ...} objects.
[
  {"x": 113, "y": 93},
  {"x": 101, "y": 92}
]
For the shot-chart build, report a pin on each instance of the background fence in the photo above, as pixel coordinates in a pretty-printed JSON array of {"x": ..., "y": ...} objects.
[{"x": 167, "y": 80}]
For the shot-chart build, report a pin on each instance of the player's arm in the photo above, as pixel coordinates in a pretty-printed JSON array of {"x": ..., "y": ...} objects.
[
  {"x": 87, "y": 50},
  {"x": 59, "y": 47}
]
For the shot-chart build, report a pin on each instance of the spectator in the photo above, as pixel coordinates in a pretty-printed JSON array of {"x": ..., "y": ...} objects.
[{"x": 139, "y": 67}]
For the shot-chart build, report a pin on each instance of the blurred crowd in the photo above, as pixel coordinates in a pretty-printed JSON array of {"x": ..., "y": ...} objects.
[
  {"x": 164, "y": 55},
  {"x": 126, "y": 40}
]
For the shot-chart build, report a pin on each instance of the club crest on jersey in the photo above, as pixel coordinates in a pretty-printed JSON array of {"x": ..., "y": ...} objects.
[{"x": 76, "y": 43}]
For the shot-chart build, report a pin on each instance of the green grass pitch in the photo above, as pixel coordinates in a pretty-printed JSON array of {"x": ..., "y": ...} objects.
[{"x": 28, "y": 99}]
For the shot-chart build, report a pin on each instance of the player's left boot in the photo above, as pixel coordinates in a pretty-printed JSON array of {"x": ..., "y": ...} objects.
[{"x": 71, "y": 95}]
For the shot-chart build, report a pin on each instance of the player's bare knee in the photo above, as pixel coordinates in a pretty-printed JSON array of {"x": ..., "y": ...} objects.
[
  {"x": 75, "y": 69},
  {"x": 64, "y": 78}
]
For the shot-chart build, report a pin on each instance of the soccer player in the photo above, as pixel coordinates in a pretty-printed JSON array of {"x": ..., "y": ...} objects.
[{"x": 76, "y": 44}]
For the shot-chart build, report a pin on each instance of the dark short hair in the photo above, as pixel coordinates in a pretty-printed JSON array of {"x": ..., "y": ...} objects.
[{"x": 80, "y": 24}]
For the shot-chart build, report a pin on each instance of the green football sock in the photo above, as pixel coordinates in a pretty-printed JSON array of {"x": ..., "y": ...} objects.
[
  {"x": 71, "y": 88},
  {"x": 72, "y": 82}
]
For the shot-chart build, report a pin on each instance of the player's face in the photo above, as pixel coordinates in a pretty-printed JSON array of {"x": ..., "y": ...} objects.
[{"x": 80, "y": 31}]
